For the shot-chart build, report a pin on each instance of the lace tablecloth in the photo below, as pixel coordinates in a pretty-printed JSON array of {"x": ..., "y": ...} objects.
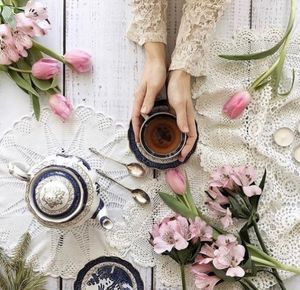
[{"x": 248, "y": 140}]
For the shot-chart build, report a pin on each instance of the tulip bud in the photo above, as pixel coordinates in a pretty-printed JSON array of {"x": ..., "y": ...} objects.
[
  {"x": 45, "y": 68},
  {"x": 79, "y": 60},
  {"x": 60, "y": 106},
  {"x": 236, "y": 105},
  {"x": 176, "y": 180}
]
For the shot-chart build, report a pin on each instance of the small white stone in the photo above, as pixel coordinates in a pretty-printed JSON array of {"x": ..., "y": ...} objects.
[
  {"x": 298, "y": 128},
  {"x": 297, "y": 154},
  {"x": 284, "y": 137}
]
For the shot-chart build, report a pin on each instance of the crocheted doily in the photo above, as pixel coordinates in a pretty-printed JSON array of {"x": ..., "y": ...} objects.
[{"x": 52, "y": 251}]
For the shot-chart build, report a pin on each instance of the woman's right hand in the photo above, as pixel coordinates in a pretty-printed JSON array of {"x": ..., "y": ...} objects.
[{"x": 152, "y": 82}]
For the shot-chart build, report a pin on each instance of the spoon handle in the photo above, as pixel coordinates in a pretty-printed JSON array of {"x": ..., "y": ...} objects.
[
  {"x": 96, "y": 152},
  {"x": 111, "y": 179}
]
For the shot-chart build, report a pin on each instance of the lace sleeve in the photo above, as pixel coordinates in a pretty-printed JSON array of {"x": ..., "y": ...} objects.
[
  {"x": 197, "y": 24},
  {"x": 149, "y": 21}
]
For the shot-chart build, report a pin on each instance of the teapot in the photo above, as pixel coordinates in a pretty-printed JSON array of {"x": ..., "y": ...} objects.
[{"x": 62, "y": 191}]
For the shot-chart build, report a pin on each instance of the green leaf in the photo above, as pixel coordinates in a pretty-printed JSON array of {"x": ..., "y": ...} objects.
[
  {"x": 9, "y": 16},
  {"x": 22, "y": 83},
  {"x": 21, "y": 3},
  {"x": 3, "y": 68},
  {"x": 36, "y": 106},
  {"x": 272, "y": 50},
  {"x": 263, "y": 181},
  {"x": 244, "y": 233},
  {"x": 22, "y": 64},
  {"x": 34, "y": 55},
  {"x": 176, "y": 205},
  {"x": 291, "y": 88},
  {"x": 245, "y": 285},
  {"x": 44, "y": 85}
]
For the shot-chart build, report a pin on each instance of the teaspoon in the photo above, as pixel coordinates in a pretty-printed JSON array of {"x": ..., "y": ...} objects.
[
  {"x": 134, "y": 169},
  {"x": 139, "y": 195}
]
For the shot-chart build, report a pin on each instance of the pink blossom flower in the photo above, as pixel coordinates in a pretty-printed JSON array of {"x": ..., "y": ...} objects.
[
  {"x": 228, "y": 241},
  {"x": 217, "y": 196},
  {"x": 226, "y": 220},
  {"x": 224, "y": 214},
  {"x": 175, "y": 178},
  {"x": 79, "y": 60},
  {"x": 60, "y": 106},
  {"x": 222, "y": 177},
  {"x": 45, "y": 68},
  {"x": 36, "y": 10},
  {"x": 200, "y": 265},
  {"x": 22, "y": 42},
  {"x": 200, "y": 230},
  {"x": 172, "y": 233},
  {"x": 8, "y": 51},
  {"x": 229, "y": 258},
  {"x": 206, "y": 282},
  {"x": 28, "y": 26},
  {"x": 245, "y": 176},
  {"x": 236, "y": 105},
  {"x": 209, "y": 253}
]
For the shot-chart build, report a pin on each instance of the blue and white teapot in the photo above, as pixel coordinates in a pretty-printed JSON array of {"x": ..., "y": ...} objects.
[{"x": 62, "y": 191}]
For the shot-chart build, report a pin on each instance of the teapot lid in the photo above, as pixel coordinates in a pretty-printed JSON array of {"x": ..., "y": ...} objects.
[{"x": 57, "y": 193}]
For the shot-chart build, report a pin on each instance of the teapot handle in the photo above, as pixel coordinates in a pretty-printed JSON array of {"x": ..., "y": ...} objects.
[
  {"x": 16, "y": 170},
  {"x": 101, "y": 216}
]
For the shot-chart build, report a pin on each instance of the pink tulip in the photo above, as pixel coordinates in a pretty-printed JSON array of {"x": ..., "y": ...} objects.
[
  {"x": 60, "y": 106},
  {"x": 176, "y": 180},
  {"x": 236, "y": 105},
  {"x": 79, "y": 60},
  {"x": 45, "y": 68}
]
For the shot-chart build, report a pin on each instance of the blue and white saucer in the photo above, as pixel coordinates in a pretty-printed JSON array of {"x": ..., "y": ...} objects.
[{"x": 108, "y": 273}]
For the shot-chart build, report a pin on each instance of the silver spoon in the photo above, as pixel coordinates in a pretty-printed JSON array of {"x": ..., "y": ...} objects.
[
  {"x": 134, "y": 169},
  {"x": 139, "y": 195}
]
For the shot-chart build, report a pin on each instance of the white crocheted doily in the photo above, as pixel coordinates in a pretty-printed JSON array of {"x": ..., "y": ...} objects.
[{"x": 63, "y": 252}]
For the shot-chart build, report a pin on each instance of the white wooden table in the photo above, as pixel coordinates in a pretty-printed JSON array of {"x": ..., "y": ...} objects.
[{"x": 99, "y": 27}]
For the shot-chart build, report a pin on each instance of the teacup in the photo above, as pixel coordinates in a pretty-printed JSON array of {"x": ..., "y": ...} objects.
[{"x": 160, "y": 136}]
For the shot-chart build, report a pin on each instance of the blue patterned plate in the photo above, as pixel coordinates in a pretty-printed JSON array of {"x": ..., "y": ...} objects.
[{"x": 108, "y": 273}]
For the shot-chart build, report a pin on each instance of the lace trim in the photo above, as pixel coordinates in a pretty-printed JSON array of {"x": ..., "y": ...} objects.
[
  {"x": 197, "y": 24},
  {"x": 150, "y": 22}
]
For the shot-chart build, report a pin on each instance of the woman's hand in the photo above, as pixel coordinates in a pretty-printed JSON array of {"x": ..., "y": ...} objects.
[
  {"x": 179, "y": 96},
  {"x": 153, "y": 80}
]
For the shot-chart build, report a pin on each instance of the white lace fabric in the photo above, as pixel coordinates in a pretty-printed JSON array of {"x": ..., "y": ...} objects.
[
  {"x": 52, "y": 251},
  {"x": 197, "y": 23},
  {"x": 248, "y": 140}
]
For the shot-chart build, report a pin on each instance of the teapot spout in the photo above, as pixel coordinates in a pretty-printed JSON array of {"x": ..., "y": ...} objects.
[
  {"x": 101, "y": 216},
  {"x": 17, "y": 170}
]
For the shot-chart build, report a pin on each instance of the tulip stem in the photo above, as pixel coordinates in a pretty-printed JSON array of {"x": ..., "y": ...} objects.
[
  {"x": 48, "y": 51},
  {"x": 182, "y": 270},
  {"x": 263, "y": 246},
  {"x": 20, "y": 70}
]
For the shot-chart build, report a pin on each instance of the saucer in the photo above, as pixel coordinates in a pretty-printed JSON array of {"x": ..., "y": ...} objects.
[
  {"x": 108, "y": 273},
  {"x": 152, "y": 162}
]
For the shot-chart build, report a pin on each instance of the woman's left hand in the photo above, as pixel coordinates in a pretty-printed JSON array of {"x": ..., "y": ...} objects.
[{"x": 180, "y": 99}]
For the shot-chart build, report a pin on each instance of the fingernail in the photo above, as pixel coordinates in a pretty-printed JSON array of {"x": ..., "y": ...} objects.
[
  {"x": 144, "y": 110},
  {"x": 185, "y": 129}
]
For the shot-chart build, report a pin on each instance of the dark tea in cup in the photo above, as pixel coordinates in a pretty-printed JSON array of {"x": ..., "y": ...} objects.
[{"x": 161, "y": 137}]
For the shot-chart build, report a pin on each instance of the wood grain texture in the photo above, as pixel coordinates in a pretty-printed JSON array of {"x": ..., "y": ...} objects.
[{"x": 99, "y": 26}]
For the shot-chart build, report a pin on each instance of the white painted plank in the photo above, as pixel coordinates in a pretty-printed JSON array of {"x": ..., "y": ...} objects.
[{"x": 52, "y": 284}]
